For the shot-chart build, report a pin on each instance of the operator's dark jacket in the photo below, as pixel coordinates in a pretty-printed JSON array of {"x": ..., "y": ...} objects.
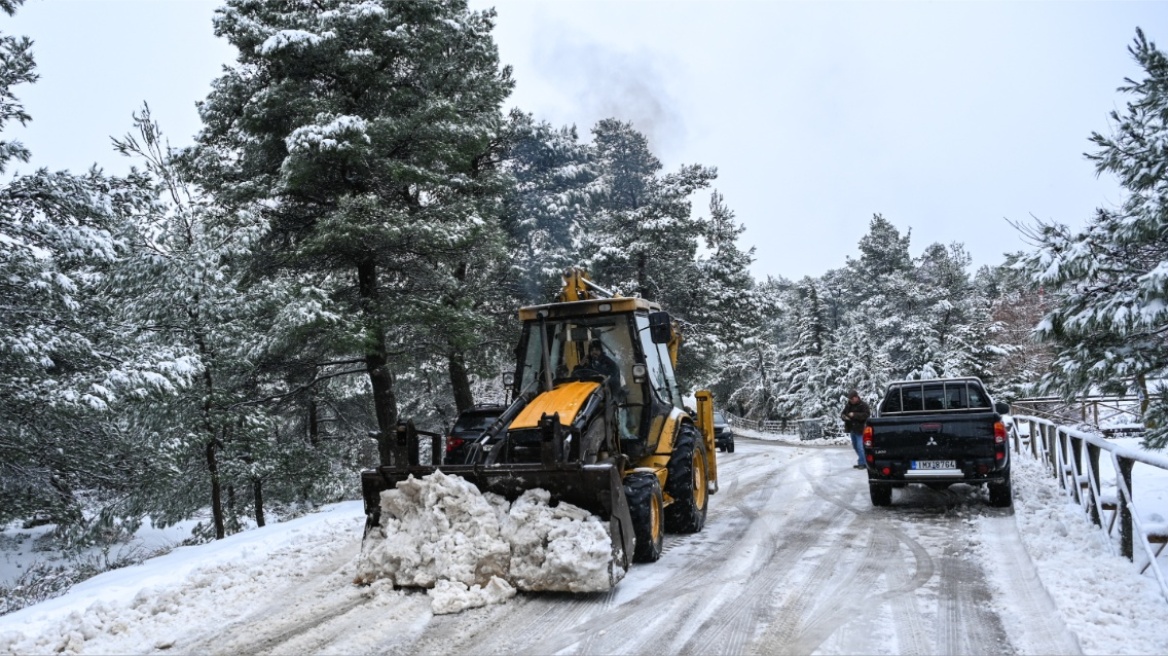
[
  {"x": 606, "y": 366},
  {"x": 859, "y": 418}
]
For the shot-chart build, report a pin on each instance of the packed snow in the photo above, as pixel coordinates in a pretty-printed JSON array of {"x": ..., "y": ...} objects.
[
  {"x": 1106, "y": 604},
  {"x": 441, "y": 532}
]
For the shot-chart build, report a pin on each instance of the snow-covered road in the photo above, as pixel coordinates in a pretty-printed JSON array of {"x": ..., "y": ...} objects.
[{"x": 794, "y": 559}]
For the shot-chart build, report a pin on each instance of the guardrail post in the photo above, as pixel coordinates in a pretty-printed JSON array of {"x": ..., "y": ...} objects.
[
  {"x": 1093, "y": 463},
  {"x": 1034, "y": 439},
  {"x": 1076, "y": 466},
  {"x": 1125, "y": 512},
  {"x": 1054, "y": 448}
]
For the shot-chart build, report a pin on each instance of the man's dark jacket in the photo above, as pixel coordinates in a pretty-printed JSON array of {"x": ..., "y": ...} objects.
[{"x": 859, "y": 417}]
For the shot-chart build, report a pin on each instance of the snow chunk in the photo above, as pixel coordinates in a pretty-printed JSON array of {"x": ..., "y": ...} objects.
[
  {"x": 441, "y": 532},
  {"x": 561, "y": 548},
  {"x": 453, "y": 597},
  {"x": 437, "y": 527}
]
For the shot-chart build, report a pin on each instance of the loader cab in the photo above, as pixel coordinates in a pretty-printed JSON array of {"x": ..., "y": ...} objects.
[{"x": 560, "y": 333}]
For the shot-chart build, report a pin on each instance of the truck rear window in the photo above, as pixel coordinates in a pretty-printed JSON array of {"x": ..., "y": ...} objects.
[{"x": 932, "y": 397}]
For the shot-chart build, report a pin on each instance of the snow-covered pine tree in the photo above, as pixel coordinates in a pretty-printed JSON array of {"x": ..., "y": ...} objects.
[
  {"x": 64, "y": 358},
  {"x": 806, "y": 384},
  {"x": 642, "y": 238},
  {"x": 1107, "y": 284},
  {"x": 180, "y": 290},
  {"x": 722, "y": 307},
  {"x": 367, "y": 131},
  {"x": 546, "y": 212},
  {"x": 1016, "y": 307},
  {"x": 946, "y": 331},
  {"x": 749, "y": 375}
]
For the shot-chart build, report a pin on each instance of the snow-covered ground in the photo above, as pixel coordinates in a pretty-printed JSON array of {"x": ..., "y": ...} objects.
[{"x": 1102, "y": 599}]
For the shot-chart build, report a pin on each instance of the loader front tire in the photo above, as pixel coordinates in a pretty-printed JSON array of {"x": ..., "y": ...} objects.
[
  {"x": 646, "y": 504},
  {"x": 687, "y": 483}
]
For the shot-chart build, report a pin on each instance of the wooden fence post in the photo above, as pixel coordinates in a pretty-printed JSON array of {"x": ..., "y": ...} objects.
[
  {"x": 1125, "y": 511},
  {"x": 1076, "y": 467},
  {"x": 1034, "y": 439},
  {"x": 1093, "y": 462},
  {"x": 1055, "y": 446}
]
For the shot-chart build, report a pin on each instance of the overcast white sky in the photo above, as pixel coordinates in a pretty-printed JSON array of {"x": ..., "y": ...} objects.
[{"x": 946, "y": 117}]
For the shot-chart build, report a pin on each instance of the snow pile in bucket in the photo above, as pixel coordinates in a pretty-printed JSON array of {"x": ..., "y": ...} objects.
[{"x": 471, "y": 549}]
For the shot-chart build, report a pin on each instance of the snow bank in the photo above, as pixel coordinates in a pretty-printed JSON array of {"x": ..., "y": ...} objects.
[{"x": 471, "y": 549}]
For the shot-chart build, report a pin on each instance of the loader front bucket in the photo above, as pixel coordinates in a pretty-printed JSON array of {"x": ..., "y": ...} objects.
[{"x": 596, "y": 488}]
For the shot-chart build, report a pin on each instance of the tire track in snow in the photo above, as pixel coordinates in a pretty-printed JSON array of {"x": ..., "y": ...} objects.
[
  {"x": 965, "y": 626},
  {"x": 847, "y": 603},
  {"x": 1037, "y": 627},
  {"x": 679, "y": 603}
]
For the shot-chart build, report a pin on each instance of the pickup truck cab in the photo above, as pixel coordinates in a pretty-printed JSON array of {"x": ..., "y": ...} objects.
[{"x": 937, "y": 432}]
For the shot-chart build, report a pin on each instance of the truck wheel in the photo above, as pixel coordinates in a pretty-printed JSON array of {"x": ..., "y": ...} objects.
[
  {"x": 1001, "y": 493},
  {"x": 645, "y": 507},
  {"x": 686, "y": 483},
  {"x": 881, "y": 494},
  {"x": 730, "y": 446}
]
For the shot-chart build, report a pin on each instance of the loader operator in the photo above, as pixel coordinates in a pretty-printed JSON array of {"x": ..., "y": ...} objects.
[
  {"x": 602, "y": 364},
  {"x": 605, "y": 366}
]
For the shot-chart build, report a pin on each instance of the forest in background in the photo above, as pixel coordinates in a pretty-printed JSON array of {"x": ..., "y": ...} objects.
[{"x": 349, "y": 237}]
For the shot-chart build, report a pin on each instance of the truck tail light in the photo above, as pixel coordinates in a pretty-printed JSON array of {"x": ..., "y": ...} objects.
[
  {"x": 867, "y": 437},
  {"x": 999, "y": 433},
  {"x": 453, "y": 443},
  {"x": 999, "y": 442}
]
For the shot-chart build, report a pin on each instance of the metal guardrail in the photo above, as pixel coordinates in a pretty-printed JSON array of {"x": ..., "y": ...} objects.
[
  {"x": 1112, "y": 415},
  {"x": 1063, "y": 450}
]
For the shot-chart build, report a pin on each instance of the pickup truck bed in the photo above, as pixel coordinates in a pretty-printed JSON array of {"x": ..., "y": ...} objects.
[{"x": 930, "y": 434}]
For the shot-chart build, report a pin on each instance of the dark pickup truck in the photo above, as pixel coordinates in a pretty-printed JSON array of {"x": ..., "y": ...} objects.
[{"x": 937, "y": 432}]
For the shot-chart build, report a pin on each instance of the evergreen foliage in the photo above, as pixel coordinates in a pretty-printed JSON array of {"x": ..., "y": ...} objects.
[
  {"x": 367, "y": 135},
  {"x": 348, "y": 240},
  {"x": 1108, "y": 283}
]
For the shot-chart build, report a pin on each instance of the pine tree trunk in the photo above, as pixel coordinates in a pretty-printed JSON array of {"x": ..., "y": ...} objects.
[
  {"x": 216, "y": 490},
  {"x": 313, "y": 423},
  {"x": 377, "y": 363},
  {"x": 456, "y": 362},
  {"x": 767, "y": 399},
  {"x": 1142, "y": 395},
  {"x": 258, "y": 491},
  {"x": 460, "y": 382},
  {"x": 213, "y": 443},
  {"x": 643, "y": 275},
  {"x": 232, "y": 515}
]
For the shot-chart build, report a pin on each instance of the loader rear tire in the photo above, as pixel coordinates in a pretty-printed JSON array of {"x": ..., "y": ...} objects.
[
  {"x": 687, "y": 483},
  {"x": 646, "y": 505}
]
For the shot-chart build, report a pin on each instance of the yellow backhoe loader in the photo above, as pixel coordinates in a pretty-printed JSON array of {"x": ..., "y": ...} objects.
[{"x": 614, "y": 440}]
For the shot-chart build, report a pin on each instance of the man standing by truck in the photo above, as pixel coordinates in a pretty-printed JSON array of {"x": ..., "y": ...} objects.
[{"x": 855, "y": 416}]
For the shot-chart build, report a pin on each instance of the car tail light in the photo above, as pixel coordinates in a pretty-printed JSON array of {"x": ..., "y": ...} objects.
[
  {"x": 870, "y": 457},
  {"x": 999, "y": 433},
  {"x": 887, "y": 471},
  {"x": 999, "y": 455},
  {"x": 867, "y": 437},
  {"x": 453, "y": 443}
]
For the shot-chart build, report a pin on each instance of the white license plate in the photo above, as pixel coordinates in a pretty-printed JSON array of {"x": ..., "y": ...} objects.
[{"x": 934, "y": 464}]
